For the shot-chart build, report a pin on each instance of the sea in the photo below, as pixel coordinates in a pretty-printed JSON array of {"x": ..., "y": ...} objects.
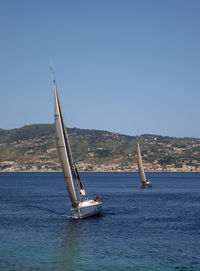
[{"x": 156, "y": 229}]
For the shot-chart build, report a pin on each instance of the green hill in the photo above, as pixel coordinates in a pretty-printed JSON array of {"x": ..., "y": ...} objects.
[{"x": 32, "y": 147}]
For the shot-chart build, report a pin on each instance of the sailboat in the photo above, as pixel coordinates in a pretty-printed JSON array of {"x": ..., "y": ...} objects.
[
  {"x": 82, "y": 206},
  {"x": 145, "y": 183}
]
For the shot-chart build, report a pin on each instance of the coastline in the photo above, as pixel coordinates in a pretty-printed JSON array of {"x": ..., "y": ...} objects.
[{"x": 122, "y": 171}]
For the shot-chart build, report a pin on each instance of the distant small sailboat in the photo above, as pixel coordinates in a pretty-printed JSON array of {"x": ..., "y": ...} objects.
[
  {"x": 145, "y": 183},
  {"x": 84, "y": 207}
]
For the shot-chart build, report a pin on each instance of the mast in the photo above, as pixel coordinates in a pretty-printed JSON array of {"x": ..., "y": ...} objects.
[
  {"x": 62, "y": 141},
  {"x": 140, "y": 164}
]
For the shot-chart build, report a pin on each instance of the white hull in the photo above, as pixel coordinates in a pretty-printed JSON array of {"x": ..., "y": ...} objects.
[
  {"x": 87, "y": 208},
  {"x": 146, "y": 184}
]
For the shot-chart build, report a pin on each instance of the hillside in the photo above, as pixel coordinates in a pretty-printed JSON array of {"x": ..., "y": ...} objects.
[{"x": 32, "y": 148}]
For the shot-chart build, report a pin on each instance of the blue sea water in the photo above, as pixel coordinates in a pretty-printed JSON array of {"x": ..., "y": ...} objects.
[{"x": 151, "y": 230}]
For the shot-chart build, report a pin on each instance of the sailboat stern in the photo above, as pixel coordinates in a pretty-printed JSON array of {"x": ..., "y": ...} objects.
[{"x": 87, "y": 208}]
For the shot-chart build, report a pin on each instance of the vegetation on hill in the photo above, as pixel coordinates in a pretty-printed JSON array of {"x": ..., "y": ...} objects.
[{"x": 33, "y": 147}]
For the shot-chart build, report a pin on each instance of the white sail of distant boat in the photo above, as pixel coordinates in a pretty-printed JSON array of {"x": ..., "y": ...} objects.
[
  {"x": 144, "y": 181},
  {"x": 82, "y": 207}
]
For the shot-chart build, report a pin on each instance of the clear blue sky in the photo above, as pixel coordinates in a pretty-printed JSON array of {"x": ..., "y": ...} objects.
[{"x": 125, "y": 66}]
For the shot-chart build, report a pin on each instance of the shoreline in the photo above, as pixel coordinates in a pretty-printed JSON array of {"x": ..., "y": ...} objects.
[{"x": 165, "y": 171}]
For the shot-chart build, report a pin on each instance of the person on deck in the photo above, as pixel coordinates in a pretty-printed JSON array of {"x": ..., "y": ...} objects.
[
  {"x": 82, "y": 191},
  {"x": 97, "y": 198}
]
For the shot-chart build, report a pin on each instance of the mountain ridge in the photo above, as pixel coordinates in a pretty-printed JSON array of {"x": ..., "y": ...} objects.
[{"x": 33, "y": 148}]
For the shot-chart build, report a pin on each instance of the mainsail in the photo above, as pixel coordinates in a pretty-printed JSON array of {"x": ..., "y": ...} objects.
[
  {"x": 140, "y": 164},
  {"x": 63, "y": 148}
]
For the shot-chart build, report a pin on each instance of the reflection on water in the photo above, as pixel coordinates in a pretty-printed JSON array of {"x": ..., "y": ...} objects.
[
  {"x": 143, "y": 188},
  {"x": 68, "y": 250}
]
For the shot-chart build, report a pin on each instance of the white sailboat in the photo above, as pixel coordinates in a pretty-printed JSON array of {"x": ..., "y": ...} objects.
[
  {"x": 145, "y": 183},
  {"x": 82, "y": 207}
]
